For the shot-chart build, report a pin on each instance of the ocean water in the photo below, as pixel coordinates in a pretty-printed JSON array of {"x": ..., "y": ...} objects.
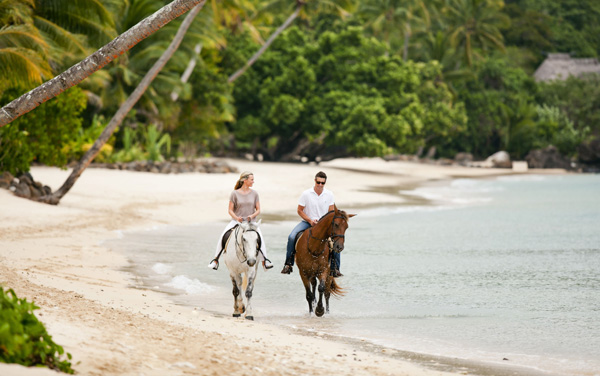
[{"x": 489, "y": 270}]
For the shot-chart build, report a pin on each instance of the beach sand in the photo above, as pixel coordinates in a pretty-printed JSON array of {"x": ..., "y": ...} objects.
[{"x": 52, "y": 255}]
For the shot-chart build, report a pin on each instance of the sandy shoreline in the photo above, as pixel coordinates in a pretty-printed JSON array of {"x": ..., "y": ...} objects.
[{"x": 51, "y": 254}]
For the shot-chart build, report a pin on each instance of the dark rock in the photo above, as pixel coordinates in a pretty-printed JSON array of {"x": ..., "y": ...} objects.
[
  {"x": 6, "y": 179},
  {"x": 463, "y": 159},
  {"x": 23, "y": 190},
  {"x": 589, "y": 152},
  {"x": 165, "y": 168},
  {"x": 548, "y": 157},
  {"x": 26, "y": 178},
  {"x": 35, "y": 191},
  {"x": 47, "y": 190}
]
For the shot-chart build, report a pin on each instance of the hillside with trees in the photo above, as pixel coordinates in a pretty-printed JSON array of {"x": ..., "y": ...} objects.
[{"x": 280, "y": 80}]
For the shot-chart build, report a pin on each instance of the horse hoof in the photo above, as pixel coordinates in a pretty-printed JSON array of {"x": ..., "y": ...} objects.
[
  {"x": 250, "y": 318},
  {"x": 236, "y": 315},
  {"x": 319, "y": 312}
]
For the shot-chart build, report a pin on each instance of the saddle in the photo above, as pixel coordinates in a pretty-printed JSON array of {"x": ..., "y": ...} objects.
[{"x": 227, "y": 235}]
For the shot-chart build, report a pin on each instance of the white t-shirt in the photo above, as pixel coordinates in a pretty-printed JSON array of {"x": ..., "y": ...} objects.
[{"x": 316, "y": 206}]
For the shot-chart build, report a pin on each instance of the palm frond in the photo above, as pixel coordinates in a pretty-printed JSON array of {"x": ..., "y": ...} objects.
[
  {"x": 24, "y": 36},
  {"x": 60, "y": 37},
  {"x": 23, "y": 67}
]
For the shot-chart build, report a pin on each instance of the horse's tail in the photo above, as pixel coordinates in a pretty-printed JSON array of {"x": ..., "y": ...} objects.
[{"x": 334, "y": 288}]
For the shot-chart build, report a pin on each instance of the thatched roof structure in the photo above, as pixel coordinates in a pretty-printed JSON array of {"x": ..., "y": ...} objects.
[{"x": 561, "y": 66}]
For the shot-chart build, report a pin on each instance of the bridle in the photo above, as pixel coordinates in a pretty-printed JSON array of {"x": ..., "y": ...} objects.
[
  {"x": 331, "y": 238},
  {"x": 239, "y": 248}
]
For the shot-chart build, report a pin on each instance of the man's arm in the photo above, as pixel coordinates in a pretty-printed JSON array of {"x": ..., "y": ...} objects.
[{"x": 303, "y": 215}]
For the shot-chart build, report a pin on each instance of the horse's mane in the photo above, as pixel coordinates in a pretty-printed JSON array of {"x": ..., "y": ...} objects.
[{"x": 341, "y": 212}]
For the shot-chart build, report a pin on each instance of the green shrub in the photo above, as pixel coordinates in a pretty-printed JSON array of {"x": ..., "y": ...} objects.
[
  {"x": 41, "y": 134},
  {"x": 23, "y": 339}
]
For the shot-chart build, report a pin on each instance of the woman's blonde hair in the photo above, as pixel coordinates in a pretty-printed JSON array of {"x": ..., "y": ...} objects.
[{"x": 243, "y": 177}]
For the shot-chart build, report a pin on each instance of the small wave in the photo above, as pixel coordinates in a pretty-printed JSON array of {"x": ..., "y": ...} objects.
[
  {"x": 161, "y": 268},
  {"x": 190, "y": 286},
  {"x": 518, "y": 178}
]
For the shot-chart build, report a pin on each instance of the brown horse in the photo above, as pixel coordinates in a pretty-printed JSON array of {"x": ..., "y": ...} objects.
[{"x": 314, "y": 250}]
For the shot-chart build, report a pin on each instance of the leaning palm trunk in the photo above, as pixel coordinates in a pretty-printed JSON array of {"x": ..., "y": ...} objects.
[
  {"x": 188, "y": 71},
  {"x": 96, "y": 61},
  {"x": 123, "y": 110},
  {"x": 262, "y": 50}
]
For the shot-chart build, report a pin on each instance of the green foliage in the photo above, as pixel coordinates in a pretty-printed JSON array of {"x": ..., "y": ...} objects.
[
  {"x": 500, "y": 106},
  {"x": 85, "y": 138},
  {"x": 555, "y": 128},
  {"x": 41, "y": 135},
  {"x": 143, "y": 144},
  {"x": 578, "y": 99},
  {"x": 24, "y": 339},
  {"x": 341, "y": 91},
  {"x": 155, "y": 141}
]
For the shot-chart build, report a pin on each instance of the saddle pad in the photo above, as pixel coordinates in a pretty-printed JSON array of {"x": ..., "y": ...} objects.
[
  {"x": 226, "y": 237},
  {"x": 298, "y": 235}
]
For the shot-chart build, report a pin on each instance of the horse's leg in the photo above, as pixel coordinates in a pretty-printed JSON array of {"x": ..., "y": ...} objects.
[
  {"x": 236, "y": 297},
  {"x": 322, "y": 278},
  {"x": 327, "y": 293},
  {"x": 238, "y": 305},
  {"x": 313, "y": 282},
  {"x": 251, "y": 275},
  {"x": 309, "y": 294}
]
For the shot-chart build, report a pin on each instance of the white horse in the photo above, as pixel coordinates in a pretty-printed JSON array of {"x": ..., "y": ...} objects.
[{"x": 241, "y": 258}]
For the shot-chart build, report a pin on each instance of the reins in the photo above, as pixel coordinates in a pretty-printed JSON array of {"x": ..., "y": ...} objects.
[
  {"x": 330, "y": 238},
  {"x": 240, "y": 250}
]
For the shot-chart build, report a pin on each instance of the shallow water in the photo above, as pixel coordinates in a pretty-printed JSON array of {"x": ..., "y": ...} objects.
[{"x": 492, "y": 269}]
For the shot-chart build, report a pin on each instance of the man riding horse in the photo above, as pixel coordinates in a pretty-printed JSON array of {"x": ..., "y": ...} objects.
[{"x": 313, "y": 204}]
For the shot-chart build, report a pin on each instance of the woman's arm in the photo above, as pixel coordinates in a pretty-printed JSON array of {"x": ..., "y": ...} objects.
[
  {"x": 232, "y": 213},
  {"x": 256, "y": 213}
]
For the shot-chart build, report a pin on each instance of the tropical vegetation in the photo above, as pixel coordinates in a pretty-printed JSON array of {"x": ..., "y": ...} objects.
[
  {"x": 315, "y": 79},
  {"x": 24, "y": 339}
]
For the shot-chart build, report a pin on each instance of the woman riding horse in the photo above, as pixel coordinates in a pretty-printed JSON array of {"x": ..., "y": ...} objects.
[{"x": 243, "y": 205}]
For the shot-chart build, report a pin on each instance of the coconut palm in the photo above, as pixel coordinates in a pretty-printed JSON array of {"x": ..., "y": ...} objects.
[
  {"x": 96, "y": 61},
  {"x": 395, "y": 21},
  {"x": 117, "y": 119},
  {"x": 475, "y": 24},
  {"x": 23, "y": 50},
  {"x": 298, "y": 8}
]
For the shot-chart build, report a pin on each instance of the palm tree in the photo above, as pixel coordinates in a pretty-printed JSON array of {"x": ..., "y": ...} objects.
[
  {"x": 475, "y": 24},
  {"x": 299, "y": 8},
  {"x": 23, "y": 50},
  {"x": 117, "y": 119},
  {"x": 395, "y": 20},
  {"x": 96, "y": 61}
]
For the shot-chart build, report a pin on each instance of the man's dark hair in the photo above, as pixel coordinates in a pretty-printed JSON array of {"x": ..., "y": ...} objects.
[{"x": 321, "y": 174}]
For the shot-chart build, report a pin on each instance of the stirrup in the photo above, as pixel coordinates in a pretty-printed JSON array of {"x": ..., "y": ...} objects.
[
  {"x": 216, "y": 264},
  {"x": 267, "y": 264}
]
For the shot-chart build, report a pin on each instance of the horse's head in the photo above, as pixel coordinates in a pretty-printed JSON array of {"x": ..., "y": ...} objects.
[
  {"x": 339, "y": 225},
  {"x": 250, "y": 241}
]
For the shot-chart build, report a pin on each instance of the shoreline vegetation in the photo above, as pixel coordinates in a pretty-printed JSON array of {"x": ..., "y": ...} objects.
[{"x": 51, "y": 255}]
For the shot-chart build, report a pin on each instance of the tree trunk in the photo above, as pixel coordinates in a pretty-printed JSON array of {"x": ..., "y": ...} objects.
[
  {"x": 258, "y": 54},
  {"x": 407, "y": 36},
  {"x": 124, "y": 109},
  {"x": 188, "y": 71},
  {"x": 96, "y": 61}
]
